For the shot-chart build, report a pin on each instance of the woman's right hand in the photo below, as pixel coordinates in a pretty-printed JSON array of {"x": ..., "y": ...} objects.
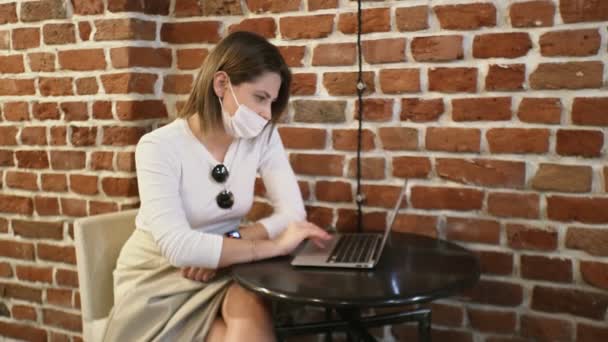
[{"x": 296, "y": 232}]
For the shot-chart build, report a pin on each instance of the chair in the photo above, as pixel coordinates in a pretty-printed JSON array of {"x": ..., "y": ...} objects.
[{"x": 99, "y": 239}]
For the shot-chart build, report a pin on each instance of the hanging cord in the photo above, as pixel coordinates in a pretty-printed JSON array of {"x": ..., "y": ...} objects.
[{"x": 360, "y": 198}]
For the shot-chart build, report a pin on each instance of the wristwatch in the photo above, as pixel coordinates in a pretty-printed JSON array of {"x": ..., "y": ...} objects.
[{"x": 233, "y": 234}]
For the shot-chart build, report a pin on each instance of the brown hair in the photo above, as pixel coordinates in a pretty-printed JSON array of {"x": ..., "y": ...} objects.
[{"x": 243, "y": 56}]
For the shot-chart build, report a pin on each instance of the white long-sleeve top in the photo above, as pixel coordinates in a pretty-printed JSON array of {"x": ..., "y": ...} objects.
[{"x": 177, "y": 192}]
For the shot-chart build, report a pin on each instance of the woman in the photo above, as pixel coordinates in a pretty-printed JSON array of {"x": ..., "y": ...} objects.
[{"x": 196, "y": 180}]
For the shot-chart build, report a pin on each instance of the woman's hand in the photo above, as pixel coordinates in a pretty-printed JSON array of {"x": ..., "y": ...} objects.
[
  {"x": 198, "y": 273},
  {"x": 291, "y": 237}
]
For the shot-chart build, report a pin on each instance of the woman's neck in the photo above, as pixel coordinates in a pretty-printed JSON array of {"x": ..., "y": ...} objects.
[{"x": 217, "y": 142}]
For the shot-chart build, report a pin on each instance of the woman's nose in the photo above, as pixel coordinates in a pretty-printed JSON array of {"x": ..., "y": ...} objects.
[{"x": 266, "y": 113}]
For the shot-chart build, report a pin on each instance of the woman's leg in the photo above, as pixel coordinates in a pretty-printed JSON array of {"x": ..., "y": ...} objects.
[
  {"x": 217, "y": 333},
  {"x": 247, "y": 316}
]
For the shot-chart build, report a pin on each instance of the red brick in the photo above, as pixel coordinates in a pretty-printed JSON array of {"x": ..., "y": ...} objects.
[
  {"x": 375, "y": 110},
  {"x": 25, "y": 38},
  {"x": 22, "y": 180},
  {"x": 6, "y": 271},
  {"x": 570, "y": 43},
  {"x": 54, "y": 182},
  {"x": 568, "y": 75},
  {"x": 413, "y": 18},
  {"x": 176, "y": 84},
  {"x": 503, "y": 77},
  {"x": 37, "y": 229},
  {"x": 538, "y": 13},
  {"x": 522, "y": 205},
  {"x": 571, "y": 301},
  {"x": 115, "y": 186},
  {"x": 66, "y": 278},
  {"x": 32, "y": 159},
  {"x": 398, "y": 81},
  {"x": 590, "y": 333},
  {"x": 345, "y": 83},
  {"x": 129, "y": 82},
  {"x": 16, "y": 204},
  {"x": 14, "y": 249},
  {"x": 82, "y": 59},
  {"x": 22, "y": 331},
  {"x": 416, "y": 224},
  {"x": 35, "y": 274},
  {"x": 421, "y": 110},
  {"x": 303, "y": 138},
  {"x": 528, "y": 237},
  {"x": 188, "y": 59},
  {"x": 453, "y": 80},
  {"x": 11, "y": 64},
  {"x": 8, "y": 135},
  {"x": 122, "y": 136},
  {"x": 68, "y": 160},
  {"x": 476, "y": 109},
  {"x": 502, "y": 45},
  {"x": 473, "y": 230},
  {"x": 83, "y": 184},
  {"x": 190, "y": 32},
  {"x": 567, "y": 178},
  {"x": 446, "y": 198},
  {"x": 42, "y": 61},
  {"x": 33, "y": 135},
  {"x": 24, "y": 312},
  {"x": 492, "y": 321},
  {"x": 8, "y": 13},
  {"x": 125, "y": 161},
  {"x": 59, "y": 135},
  {"x": 75, "y": 111},
  {"x": 46, "y": 206},
  {"x": 147, "y": 7},
  {"x": 543, "y": 268},
  {"x": 546, "y": 329},
  {"x": 265, "y": 27},
  {"x": 372, "y": 221},
  {"x": 42, "y": 10},
  {"x": 102, "y": 110},
  {"x": 139, "y": 56},
  {"x": 398, "y": 138},
  {"x": 411, "y": 167},
  {"x": 102, "y": 160},
  {"x": 16, "y": 111},
  {"x": 575, "y": 11},
  {"x": 306, "y": 27},
  {"x": 595, "y": 273},
  {"x": 56, "y": 86},
  {"x": 259, "y": 6},
  {"x": 333, "y": 191},
  {"x": 84, "y": 30},
  {"x": 16, "y": 87},
  {"x": 62, "y": 319},
  {"x": 60, "y": 297},
  {"x": 492, "y": 262},
  {"x": 482, "y": 172},
  {"x": 293, "y": 55},
  {"x": 347, "y": 139},
  {"x": 88, "y": 7},
  {"x": 314, "y": 5},
  {"x": 334, "y": 54},
  {"x": 59, "y": 34},
  {"x": 303, "y": 84},
  {"x": 540, "y": 110},
  {"x": 259, "y": 210},
  {"x": 485, "y": 291},
  {"x": 98, "y": 207},
  {"x": 466, "y": 16},
  {"x": 124, "y": 29},
  {"x": 371, "y": 168},
  {"x": 590, "y": 111},
  {"x": 584, "y": 143},
  {"x": 7, "y": 158},
  {"x": 453, "y": 139},
  {"x": 518, "y": 140},
  {"x": 447, "y": 315},
  {"x": 139, "y": 110},
  {"x": 437, "y": 48},
  {"x": 389, "y": 50},
  {"x": 65, "y": 254},
  {"x": 380, "y": 195},
  {"x": 372, "y": 20},
  {"x": 320, "y": 216},
  {"x": 581, "y": 209}
]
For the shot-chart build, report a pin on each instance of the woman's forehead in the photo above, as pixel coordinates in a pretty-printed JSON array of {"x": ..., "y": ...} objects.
[{"x": 269, "y": 82}]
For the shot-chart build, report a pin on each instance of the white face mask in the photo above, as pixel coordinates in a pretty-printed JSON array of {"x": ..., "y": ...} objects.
[{"x": 245, "y": 123}]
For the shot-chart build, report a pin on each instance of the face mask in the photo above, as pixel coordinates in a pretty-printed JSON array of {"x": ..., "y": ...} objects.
[{"x": 245, "y": 123}]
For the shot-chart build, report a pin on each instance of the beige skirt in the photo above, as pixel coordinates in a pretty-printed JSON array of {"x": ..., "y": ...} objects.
[{"x": 154, "y": 302}]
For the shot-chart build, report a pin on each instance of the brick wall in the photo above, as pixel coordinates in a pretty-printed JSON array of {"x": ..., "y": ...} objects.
[{"x": 495, "y": 109}]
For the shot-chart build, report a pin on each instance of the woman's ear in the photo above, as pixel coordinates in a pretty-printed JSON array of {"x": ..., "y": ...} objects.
[{"x": 220, "y": 83}]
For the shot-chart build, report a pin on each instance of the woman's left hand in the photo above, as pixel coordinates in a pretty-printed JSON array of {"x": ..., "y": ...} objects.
[{"x": 198, "y": 273}]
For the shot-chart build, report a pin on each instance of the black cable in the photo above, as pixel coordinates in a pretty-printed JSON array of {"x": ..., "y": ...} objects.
[{"x": 360, "y": 88}]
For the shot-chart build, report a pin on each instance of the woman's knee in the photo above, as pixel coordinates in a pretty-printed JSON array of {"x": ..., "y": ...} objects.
[{"x": 240, "y": 303}]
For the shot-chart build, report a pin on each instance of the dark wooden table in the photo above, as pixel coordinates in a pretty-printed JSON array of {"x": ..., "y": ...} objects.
[{"x": 413, "y": 269}]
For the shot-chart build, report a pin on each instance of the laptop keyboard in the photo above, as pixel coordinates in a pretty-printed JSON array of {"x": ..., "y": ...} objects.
[{"x": 352, "y": 248}]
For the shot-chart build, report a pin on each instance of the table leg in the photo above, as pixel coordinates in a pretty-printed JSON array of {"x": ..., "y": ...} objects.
[
  {"x": 424, "y": 327},
  {"x": 328, "y": 335},
  {"x": 355, "y": 328}
]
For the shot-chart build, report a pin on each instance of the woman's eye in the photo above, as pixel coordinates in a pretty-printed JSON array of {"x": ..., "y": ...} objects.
[{"x": 259, "y": 98}]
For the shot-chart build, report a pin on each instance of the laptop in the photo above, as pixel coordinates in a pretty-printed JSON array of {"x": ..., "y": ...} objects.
[{"x": 349, "y": 250}]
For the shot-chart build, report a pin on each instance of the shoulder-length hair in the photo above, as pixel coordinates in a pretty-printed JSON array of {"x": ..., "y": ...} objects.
[{"x": 243, "y": 56}]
